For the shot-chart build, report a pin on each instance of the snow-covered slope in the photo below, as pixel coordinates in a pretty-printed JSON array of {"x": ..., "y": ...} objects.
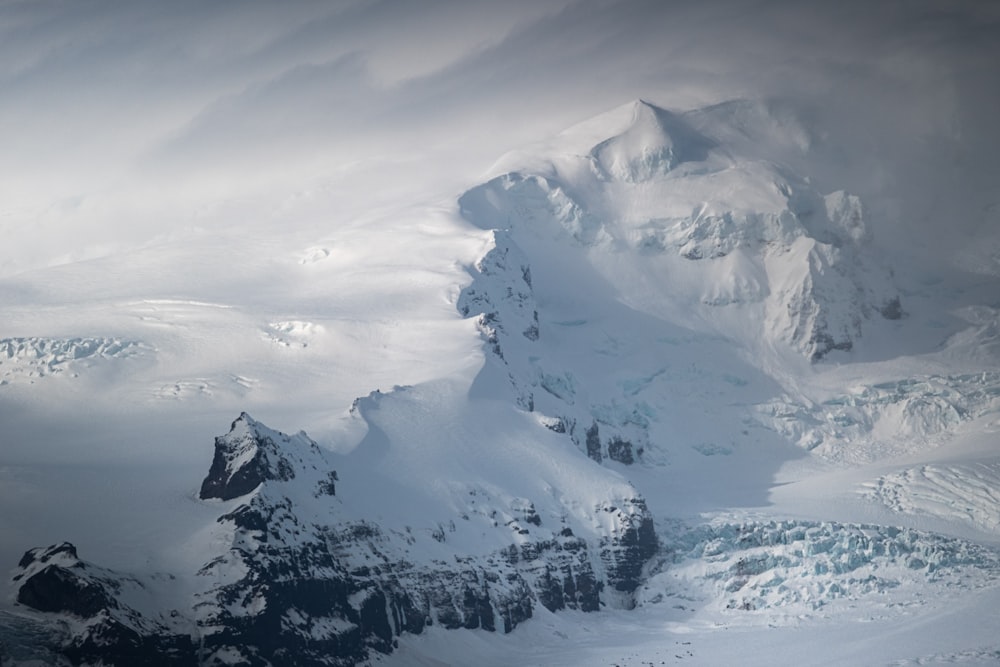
[
  {"x": 746, "y": 246},
  {"x": 646, "y": 367}
]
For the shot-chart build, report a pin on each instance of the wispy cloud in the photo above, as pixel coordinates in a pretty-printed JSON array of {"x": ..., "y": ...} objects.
[{"x": 104, "y": 99}]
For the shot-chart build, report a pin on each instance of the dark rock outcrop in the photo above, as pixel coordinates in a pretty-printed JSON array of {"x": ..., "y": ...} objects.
[
  {"x": 892, "y": 309},
  {"x": 58, "y": 589},
  {"x": 245, "y": 458},
  {"x": 626, "y": 553},
  {"x": 53, "y": 579},
  {"x": 620, "y": 450},
  {"x": 594, "y": 442},
  {"x": 297, "y": 583},
  {"x": 56, "y": 581}
]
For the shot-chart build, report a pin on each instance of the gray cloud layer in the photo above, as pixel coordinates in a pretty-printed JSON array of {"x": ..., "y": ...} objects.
[{"x": 114, "y": 112}]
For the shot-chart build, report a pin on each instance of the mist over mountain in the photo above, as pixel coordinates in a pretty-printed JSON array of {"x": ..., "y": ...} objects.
[
  {"x": 245, "y": 103},
  {"x": 597, "y": 332}
]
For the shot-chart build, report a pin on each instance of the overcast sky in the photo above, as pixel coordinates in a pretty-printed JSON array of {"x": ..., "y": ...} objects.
[{"x": 121, "y": 118}]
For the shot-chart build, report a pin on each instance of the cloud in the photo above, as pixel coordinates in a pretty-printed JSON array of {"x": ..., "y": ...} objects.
[{"x": 106, "y": 99}]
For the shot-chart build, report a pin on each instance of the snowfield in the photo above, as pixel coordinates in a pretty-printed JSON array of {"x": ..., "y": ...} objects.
[{"x": 650, "y": 390}]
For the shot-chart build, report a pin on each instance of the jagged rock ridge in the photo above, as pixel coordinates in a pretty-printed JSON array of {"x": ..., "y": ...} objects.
[
  {"x": 247, "y": 456},
  {"x": 300, "y": 582}
]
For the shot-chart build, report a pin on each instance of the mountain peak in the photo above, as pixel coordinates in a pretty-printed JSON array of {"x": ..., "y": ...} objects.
[
  {"x": 730, "y": 231},
  {"x": 649, "y": 143},
  {"x": 647, "y": 112},
  {"x": 247, "y": 456}
]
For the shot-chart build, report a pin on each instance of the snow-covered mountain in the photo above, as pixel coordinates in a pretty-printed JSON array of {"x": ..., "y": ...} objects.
[
  {"x": 742, "y": 242},
  {"x": 666, "y": 387},
  {"x": 300, "y": 566}
]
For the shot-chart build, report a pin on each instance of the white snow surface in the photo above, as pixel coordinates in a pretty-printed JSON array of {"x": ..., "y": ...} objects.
[{"x": 648, "y": 274}]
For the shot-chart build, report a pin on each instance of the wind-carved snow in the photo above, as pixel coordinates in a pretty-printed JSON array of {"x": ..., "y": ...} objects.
[
  {"x": 188, "y": 389},
  {"x": 292, "y": 333},
  {"x": 27, "y": 358},
  {"x": 985, "y": 655},
  {"x": 314, "y": 255},
  {"x": 876, "y": 421},
  {"x": 734, "y": 231},
  {"x": 185, "y": 389},
  {"x": 656, "y": 143},
  {"x": 968, "y": 493}
]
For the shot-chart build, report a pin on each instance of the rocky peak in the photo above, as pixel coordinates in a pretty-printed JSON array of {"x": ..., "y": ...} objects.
[
  {"x": 54, "y": 579},
  {"x": 59, "y": 554},
  {"x": 249, "y": 455},
  {"x": 100, "y": 626},
  {"x": 305, "y": 576}
]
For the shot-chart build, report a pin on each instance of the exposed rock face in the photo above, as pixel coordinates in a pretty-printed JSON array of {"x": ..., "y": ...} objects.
[
  {"x": 107, "y": 630},
  {"x": 626, "y": 552},
  {"x": 833, "y": 289},
  {"x": 245, "y": 458},
  {"x": 59, "y": 589},
  {"x": 297, "y": 582},
  {"x": 330, "y": 591},
  {"x": 308, "y": 601},
  {"x": 502, "y": 296}
]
